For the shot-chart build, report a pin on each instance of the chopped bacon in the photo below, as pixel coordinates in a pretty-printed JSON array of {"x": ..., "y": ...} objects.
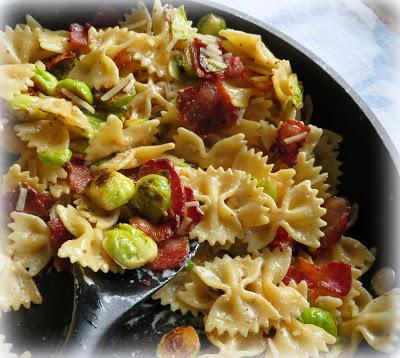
[
  {"x": 194, "y": 213},
  {"x": 78, "y": 34},
  {"x": 282, "y": 240},
  {"x": 123, "y": 59},
  {"x": 234, "y": 70},
  {"x": 79, "y": 174},
  {"x": 37, "y": 204},
  {"x": 58, "y": 235},
  {"x": 177, "y": 189},
  {"x": 337, "y": 216},
  {"x": 284, "y": 153},
  {"x": 171, "y": 253},
  {"x": 207, "y": 107},
  {"x": 235, "y": 67},
  {"x": 158, "y": 232},
  {"x": 133, "y": 173},
  {"x": 333, "y": 279},
  {"x": 51, "y": 62}
]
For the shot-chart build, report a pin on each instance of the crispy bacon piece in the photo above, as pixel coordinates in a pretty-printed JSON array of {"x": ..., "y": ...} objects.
[
  {"x": 282, "y": 240},
  {"x": 158, "y": 232},
  {"x": 332, "y": 279},
  {"x": 207, "y": 107},
  {"x": 234, "y": 70},
  {"x": 79, "y": 174},
  {"x": 177, "y": 189},
  {"x": 37, "y": 204},
  {"x": 78, "y": 34},
  {"x": 286, "y": 153},
  {"x": 58, "y": 235},
  {"x": 123, "y": 59},
  {"x": 235, "y": 67},
  {"x": 57, "y": 59},
  {"x": 194, "y": 213},
  {"x": 133, "y": 173},
  {"x": 337, "y": 216},
  {"x": 171, "y": 253}
]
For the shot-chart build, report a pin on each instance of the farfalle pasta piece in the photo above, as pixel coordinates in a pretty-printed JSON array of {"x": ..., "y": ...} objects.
[
  {"x": 59, "y": 189},
  {"x": 15, "y": 79},
  {"x": 326, "y": 155},
  {"x": 237, "y": 310},
  {"x": 96, "y": 69},
  {"x": 21, "y": 45},
  {"x": 355, "y": 301},
  {"x": 189, "y": 146},
  {"x": 250, "y": 44},
  {"x": 250, "y": 129},
  {"x": 51, "y": 108},
  {"x": 168, "y": 294},
  {"x": 312, "y": 139},
  {"x": 259, "y": 109},
  {"x": 237, "y": 346},
  {"x": 30, "y": 239},
  {"x": 306, "y": 170},
  {"x": 299, "y": 212},
  {"x": 331, "y": 305},
  {"x": 354, "y": 253},
  {"x": 112, "y": 137},
  {"x": 135, "y": 157},
  {"x": 253, "y": 163},
  {"x": 102, "y": 219},
  {"x": 148, "y": 97},
  {"x": 139, "y": 19},
  {"x": 17, "y": 286},
  {"x": 231, "y": 202},
  {"x": 87, "y": 248},
  {"x": 29, "y": 161},
  {"x": 44, "y": 135},
  {"x": 291, "y": 300},
  {"x": 298, "y": 340},
  {"x": 55, "y": 41},
  {"x": 268, "y": 134},
  {"x": 377, "y": 323},
  {"x": 15, "y": 175}
]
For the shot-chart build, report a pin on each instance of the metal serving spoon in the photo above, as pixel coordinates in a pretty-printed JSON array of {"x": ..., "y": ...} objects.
[{"x": 102, "y": 301}]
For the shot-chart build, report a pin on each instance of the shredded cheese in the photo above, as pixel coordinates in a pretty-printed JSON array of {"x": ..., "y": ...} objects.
[
  {"x": 53, "y": 212},
  {"x": 78, "y": 101},
  {"x": 184, "y": 226},
  {"x": 23, "y": 192},
  {"x": 117, "y": 88},
  {"x": 295, "y": 138},
  {"x": 190, "y": 204},
  {"x": 129, "y": 86},
  {"x": 39, "y": 64}
]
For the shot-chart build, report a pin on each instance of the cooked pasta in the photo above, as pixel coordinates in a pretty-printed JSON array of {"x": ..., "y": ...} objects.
[{"x": 134, "y": 139}]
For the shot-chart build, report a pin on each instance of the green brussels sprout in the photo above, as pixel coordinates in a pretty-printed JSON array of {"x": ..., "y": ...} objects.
[
  {"x": 211, "y": 25},
  {"x": 269, "y": 187},
  {"x": 152, "y": 197},
  {"x": 190, "y": 266},
  {"x": 55, "y": 158},
  {"x": 78, "y": 88},
  {"x": 129, "y": 247},
  {"x": 45, "y": 81},
  {"x": 320, "y": 318},
  {"x": 110, "y": 189},
  {"x": 296, "y": 90},
  {"x": 180, "y": 27},
  {"x": 174, "y": 68}
]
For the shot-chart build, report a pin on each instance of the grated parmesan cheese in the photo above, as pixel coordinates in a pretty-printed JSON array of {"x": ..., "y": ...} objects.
[
  {"x": 184, "y": 226},
  {"x": 23, "y": 192},
  {"x": 129, "y": 86},
  {"x": 295, "y": 138},
  {"x": 191, "y": 204},
  {"x": 78, "y": 101},
  {"x": 53, "y": 212},
  {"x": 39, "y": 64},
  {"x": 118, "y": 87}
]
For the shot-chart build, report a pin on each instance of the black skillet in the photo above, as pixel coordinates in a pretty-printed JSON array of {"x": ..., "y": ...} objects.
[{"x": 371, "y": 179}]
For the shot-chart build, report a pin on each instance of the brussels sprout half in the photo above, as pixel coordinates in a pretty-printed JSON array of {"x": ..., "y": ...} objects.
[
  {"x": 211, "y": 25},
  {"x": 320, "y": 318},
  {"x": 129, "y": 247}
]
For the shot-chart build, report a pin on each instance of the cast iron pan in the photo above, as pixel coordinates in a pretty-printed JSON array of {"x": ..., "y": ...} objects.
[{"x": 370, "y": 179}]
